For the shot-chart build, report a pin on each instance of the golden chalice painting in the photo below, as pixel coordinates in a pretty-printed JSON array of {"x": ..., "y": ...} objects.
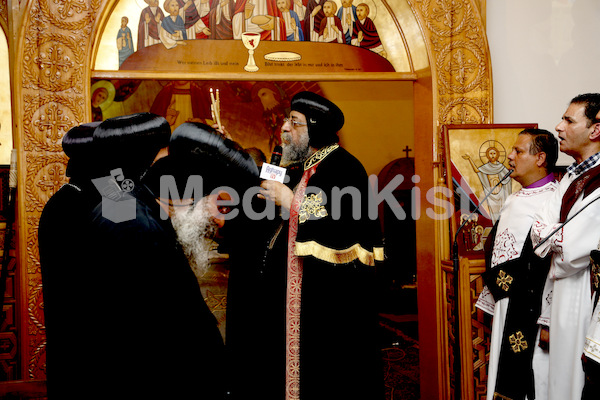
[{"x": 251, "y": 40}]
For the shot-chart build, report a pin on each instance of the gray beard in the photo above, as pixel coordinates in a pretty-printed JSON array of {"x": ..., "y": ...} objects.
[
  {"x": 293, "y": 152},
  {"x": 195, "y": 230}
]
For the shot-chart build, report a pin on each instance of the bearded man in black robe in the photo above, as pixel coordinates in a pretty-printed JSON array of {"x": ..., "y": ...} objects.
[
  {"x": 151, "y": 333},
  {"x": 320, "y": 340}
]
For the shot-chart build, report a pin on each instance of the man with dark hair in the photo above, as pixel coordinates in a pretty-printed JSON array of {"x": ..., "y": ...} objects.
[
  {"x": 513, "y": 291},
  {"x": 327, "y": 307},
  {"x": 543, "y": 141},
  {"x": 570, "y": 245}
]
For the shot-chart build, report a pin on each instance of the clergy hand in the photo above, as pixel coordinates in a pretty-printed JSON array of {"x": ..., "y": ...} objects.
[
  {"x": 277, "y": 193},
  {"x": 224, "y": 132},
  {"x": 206, "y": 31},
  {"x": 316, "y": 10},
  {"x": 360, "y": 36}
]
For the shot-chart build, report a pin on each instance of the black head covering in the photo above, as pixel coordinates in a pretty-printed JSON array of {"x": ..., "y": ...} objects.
[
  {"x": 131, "y": 142},
  {"x": 198, "y": 149},
  {"x": 77, "y": 145},
  {"x": 324, "y": 118}
]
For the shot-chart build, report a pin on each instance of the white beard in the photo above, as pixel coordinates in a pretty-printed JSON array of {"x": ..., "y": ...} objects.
[
  {"x": 195, "y": 230},
  {"x": 294, "y": 152}
]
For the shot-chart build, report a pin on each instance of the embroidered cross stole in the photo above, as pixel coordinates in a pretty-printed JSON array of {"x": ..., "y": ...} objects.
[
  {"x": 293, "y": 295},
  {"x": 522, "y": 280}
]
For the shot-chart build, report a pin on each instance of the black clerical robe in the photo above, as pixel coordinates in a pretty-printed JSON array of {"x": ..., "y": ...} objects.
[
  {"x": 153, "y": 334},
  {"x": 63, "y": 235},
  {"x": 338, "y": 246},
  {"x": 337, "y": 346}
]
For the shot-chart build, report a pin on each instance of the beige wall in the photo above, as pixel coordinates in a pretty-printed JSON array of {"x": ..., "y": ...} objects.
[
  {"x": 379, "y": 119},
  {"x": 544, "y": 53}
]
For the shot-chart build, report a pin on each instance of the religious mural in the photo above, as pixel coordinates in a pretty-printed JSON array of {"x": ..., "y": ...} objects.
[
  {"x": 478, "y": 165},
  {"x": 286, "y": 29},
  {"x": 490, "y": 170},
  {"x": 283, "y": 20},
  {"x": 206, "y": 36},
  {"x": 252, "y": 112}
]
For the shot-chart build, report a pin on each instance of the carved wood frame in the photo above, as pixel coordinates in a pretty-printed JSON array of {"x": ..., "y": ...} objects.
[
  {"x": 474, "y": 324},
  {"x": 50, "y": 46}
]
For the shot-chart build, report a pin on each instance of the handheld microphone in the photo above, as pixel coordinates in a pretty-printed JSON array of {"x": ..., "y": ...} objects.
[
  {"x": 276, "y": 156},
  {"x": 456, "y": 266},
  {"x": 272, "y": 170}
]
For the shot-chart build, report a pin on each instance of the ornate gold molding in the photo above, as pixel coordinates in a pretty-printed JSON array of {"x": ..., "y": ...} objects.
[
  {"x": 50, "y": 90},
  {"x": 459, "y": 61},
  {"x": 462, "y": 94}
]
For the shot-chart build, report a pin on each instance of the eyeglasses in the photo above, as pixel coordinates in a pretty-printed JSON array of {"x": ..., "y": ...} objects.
[{"x": 294, "y": 122}]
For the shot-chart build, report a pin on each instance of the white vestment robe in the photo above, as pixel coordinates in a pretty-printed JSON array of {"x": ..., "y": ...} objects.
[
  {"x": 571, "y": 307},
  {"x": 592, "y": 340},
  {"x": 515, "y": 222}
]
